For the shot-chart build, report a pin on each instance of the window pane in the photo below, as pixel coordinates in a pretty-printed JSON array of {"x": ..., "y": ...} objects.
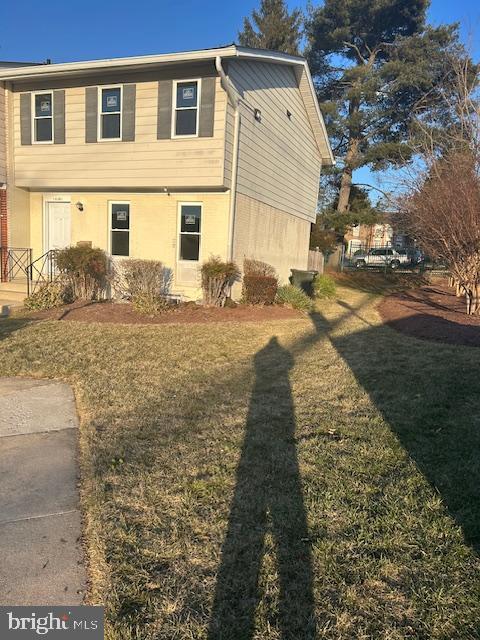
[
  {"x": 120, "y": 216},
  {"x": 43, "y": 129},
  {"x": 189, "y": 246},
  {"x": 111, "y": 125},
  {"x": 187, "y": 94},
  {"x": 120, "y": 243},
  {"x": 186, "y": 123},
  {"x": 43, "y": 105},
  {"x": 110, "y": 100},
  {"x": 190, "y": 219}
]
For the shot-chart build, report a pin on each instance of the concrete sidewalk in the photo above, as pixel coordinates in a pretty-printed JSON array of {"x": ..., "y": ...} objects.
[{"x": 41, "y": 557}]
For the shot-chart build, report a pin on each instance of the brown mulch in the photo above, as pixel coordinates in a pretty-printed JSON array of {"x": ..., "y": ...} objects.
[
  {"x": 123, "y": 313},
  {"x": 431, "y": 313}
]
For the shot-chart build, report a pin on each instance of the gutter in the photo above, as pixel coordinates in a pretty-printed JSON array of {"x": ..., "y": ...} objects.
[{"x": 235, "y": 102}]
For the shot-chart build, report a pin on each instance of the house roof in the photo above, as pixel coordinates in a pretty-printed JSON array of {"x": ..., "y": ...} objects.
[
  {"x": 12, "y": 63},
  {"x": 133, "y": 63}
]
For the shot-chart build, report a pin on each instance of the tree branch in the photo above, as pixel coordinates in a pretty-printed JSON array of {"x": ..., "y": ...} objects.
[
  {"x": 353, "y": 46},
  {"x": 370, "y": 186}
]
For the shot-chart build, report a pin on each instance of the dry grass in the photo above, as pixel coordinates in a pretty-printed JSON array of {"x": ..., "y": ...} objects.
[{"x": 320, "y": 484}]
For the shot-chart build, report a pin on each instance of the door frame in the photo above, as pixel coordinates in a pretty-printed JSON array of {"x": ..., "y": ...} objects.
[
  {"x": 193, "y": 263},
  {"x": 47, "y": 199}
]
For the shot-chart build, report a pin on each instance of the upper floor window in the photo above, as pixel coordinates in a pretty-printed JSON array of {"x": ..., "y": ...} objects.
[
  {"x": 43, "y": 117},
  {"x": 110, "y": 113},
  {"x": 185, "y": 112}
]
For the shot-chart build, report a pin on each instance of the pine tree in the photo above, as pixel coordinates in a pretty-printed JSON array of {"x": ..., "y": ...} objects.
[
  {"x": 272, "y": 27},
  {"x": 377, "y": 66}
]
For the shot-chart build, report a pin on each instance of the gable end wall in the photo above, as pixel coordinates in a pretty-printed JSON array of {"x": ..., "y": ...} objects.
[{"x": 278, "y": 162}]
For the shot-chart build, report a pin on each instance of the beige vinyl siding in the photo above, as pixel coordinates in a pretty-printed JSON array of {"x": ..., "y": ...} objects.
[
  {"x": 279, "y": 161},
  {"x": 229, "y": 135},
  {"x": 144, "y": 163},
  {"x": 271, "y": 235},
  {"x": 3, "y": 143},
  {"x": 309, "y": 100}
]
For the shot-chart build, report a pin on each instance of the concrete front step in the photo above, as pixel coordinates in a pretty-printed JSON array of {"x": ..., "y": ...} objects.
[
  {"x": 14, "y": 295},
  {"x": 15, "y": 290}
]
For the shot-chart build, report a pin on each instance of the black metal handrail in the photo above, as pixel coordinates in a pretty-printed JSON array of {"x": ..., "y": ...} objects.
[
  {"x": 14, "y": 262},
  {"x": 41, "y": 270}
]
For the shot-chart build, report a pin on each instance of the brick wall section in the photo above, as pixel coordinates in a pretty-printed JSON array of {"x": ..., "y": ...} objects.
[
  {"x": 3, "y": 232},
  {"x": 3, "y": 218}
]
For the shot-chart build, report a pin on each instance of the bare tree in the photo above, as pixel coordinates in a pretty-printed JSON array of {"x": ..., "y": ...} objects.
[
  {"x": 443, "y": 213},
  {"x": 441, "y": 208}
]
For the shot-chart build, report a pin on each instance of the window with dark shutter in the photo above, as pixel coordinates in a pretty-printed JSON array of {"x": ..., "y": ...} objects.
[
  {"x": 185, "y": 118},
  {"x": 42, "y": 126}
]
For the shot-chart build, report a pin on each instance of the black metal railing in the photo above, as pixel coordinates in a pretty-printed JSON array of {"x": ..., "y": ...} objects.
[
  {"x": 41, "y": 271},
  {"x": 14, "y": 263}
]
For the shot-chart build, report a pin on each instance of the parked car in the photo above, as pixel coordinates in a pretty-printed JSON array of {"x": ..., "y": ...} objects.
[{"x": 381, "y": 257}]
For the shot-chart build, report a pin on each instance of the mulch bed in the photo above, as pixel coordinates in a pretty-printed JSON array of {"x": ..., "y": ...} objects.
[
  {"x": 123, "y": 313},
  {"x": 431, "y": 313}
]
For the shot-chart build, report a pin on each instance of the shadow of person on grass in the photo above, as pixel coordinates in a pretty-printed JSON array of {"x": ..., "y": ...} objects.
[
  {"x": 428, "y": 394},
  {"x": 267, "y": 498}
]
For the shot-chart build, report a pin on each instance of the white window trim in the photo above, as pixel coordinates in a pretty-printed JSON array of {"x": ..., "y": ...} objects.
[
  {"x": 110, "y": 230},
  {"x": 100, "y": 113},
  {"x": 187, "y": 233},
  {"x": 174, "y": 107},
  {"x": 34, "y": 117}
]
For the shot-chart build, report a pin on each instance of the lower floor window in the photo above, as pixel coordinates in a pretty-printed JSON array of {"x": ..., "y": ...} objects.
[
  {"x": 120, "y": 228},
  {"x": 190, "y": 231}
]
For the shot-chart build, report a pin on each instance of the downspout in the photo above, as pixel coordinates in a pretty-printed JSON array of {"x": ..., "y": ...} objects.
[{"x": 234, "y": 101}]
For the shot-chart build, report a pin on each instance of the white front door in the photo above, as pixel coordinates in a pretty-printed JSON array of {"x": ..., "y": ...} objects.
[{"x": 58, "y": 225}]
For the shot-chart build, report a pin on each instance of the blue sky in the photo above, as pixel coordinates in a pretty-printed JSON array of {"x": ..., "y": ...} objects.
[{"x": 66, "y": 31}]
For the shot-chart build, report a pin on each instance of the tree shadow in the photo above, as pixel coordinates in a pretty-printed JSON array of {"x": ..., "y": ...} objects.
[
  {"x": 437, "y": 329},
  {"x": 428, "y": 394},
  {"x": 267, "y": 498},
  {"x": 423, "y": 297}
]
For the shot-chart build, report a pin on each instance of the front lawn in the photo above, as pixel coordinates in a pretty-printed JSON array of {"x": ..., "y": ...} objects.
[{"x": 303, "y": 478}]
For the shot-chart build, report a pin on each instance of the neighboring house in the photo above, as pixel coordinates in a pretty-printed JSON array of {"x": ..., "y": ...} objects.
[
  {"x": 4, "y": 64},
  {"x": 172, "y": 157},
  {"x": 364, "y": 236}
]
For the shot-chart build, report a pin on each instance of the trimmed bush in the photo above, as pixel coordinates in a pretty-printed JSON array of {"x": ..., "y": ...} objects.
[
  {"x": 253, "y": 267},
  {"x": 49, "y": 295},
  {"x": 324, "y": 286},
  {"x": 260, "y": 282},
  {"x": 85, "y": 269},
  {"x": 217, "y": 278},
  {"x": 145, "y": 283},
  {"x": 259, "y": 289},
  {"x": 294, "y": 297}
]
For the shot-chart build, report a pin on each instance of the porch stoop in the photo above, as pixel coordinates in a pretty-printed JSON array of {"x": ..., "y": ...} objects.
[{"x": 13, "y": 292}]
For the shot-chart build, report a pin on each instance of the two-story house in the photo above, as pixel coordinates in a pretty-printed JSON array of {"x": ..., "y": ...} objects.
[{"x": 172, "y": 157}]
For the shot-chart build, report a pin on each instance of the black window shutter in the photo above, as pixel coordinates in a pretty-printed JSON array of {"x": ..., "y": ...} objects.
[
  {"x": 128, "y": 112},
  {"x": 91, "y": 114},
  {"x": 207, "y": 108},
  {"x": 59, "y": 116},
  {"x": 164, "y": 118},
  {"x": 26, "y": 118}
]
